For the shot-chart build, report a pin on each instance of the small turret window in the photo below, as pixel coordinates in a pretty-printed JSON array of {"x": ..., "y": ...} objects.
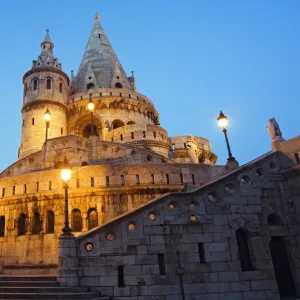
[
  {"x": 60, "y": 87},
  {"x": 48, "y": 84},
  {"x": 25, "y": 89},
  {"x": 35, "y": 84},
  {"x": 118, "y": 85},
  {"x": 90, "y": 86}
]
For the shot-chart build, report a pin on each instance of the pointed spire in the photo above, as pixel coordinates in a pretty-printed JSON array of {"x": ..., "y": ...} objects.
[
  {"x": 100, "y": 57},
  {"x": 47, "y": 37}
]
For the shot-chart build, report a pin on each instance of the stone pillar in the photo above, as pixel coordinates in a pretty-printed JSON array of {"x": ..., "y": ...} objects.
[
  {"x": 67, "y": 260},
  {"x": 84, "y": 222},
  {"x": 93, "y": 139},
  {"x": 232, "y": 164},
  {"x": 104, "y": 133}
]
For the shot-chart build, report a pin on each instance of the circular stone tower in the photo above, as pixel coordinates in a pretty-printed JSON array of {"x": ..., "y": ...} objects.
[{"x": 46, "y": 86}]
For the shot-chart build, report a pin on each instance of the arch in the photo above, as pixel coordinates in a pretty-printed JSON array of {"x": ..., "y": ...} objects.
[
  {"x": 118, "y": 85},
  {"x": 267, "y": 211},
  {"x": 60, "y": 87},
  {"x": 243, "y": 223},
  {"x": 48, "y": 84},
  {"x": 35, "y": 83},
  {"x": 130, "y": 123},
  {"x": 2, "y": 226},
  {"x": 117, "y": 123},
  {"x": 274, "y": 219},
  {"x": 90, "y": 86},
  {"x": 87, "y": 130},
  {"x": 85, "y": 121},
  {"x": 92, "y": 218},
  {"x": 36, "y": 223},
  {"x": 50, "y": 222},
  {"x": 22, "y": 224},
  {"x": 242, "y": 240},
  {"x": 76, "y": 220}
]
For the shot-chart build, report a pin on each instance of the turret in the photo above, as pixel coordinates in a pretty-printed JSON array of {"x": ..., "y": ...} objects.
[{"x": 46, "y": 86}]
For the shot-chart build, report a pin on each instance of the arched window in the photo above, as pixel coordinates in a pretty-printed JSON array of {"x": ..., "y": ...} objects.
[
  {"x": 90, "y": 86},
  {"x": 242, "y": 239},
  {"x": 118, "y": 85},
  {"x": 76, "y": 220},
  {"x": 87, "y": 130},
  {"x": 117, "y": 123},
  {"x": 48, "y": 84},
  {"x": 60, "y": 87},
  {"x": 36, "y": 223},
  {"x": 35, "y": 82},
  {"x": 92, "y": 218},
  {"x": 2, "y": 226},
  {"x": 22, "y": 224},
  {"x": 50, "y": 221},
  {"x": 274, "y": 219}
]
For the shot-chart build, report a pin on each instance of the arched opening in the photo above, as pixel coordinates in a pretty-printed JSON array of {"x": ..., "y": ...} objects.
[
  {"x": 130, "y": 123},
  {"x": 35, "y": 84},
  {"x": 92, "y": 218},
  {"x": 90, "y": 86},
  {"x": 2, "y": 226},
  {"x": 60, "y": 87},
  {"x": 36, "y": 223},
  {"x": 118, "y": 85},
  {"x": 274, "y": 219},
  {"x": 50, "y": 221},
  {"x": 242, "y": 239},
  {"x": 76, "y": 220},
  {"x": 22, "y": 224},
  {"x": 87, "y": 130},
  {"x": 48, "y": 84},
  {"x": 117, "y": 123},
  {"x": 25, "y": 89}
]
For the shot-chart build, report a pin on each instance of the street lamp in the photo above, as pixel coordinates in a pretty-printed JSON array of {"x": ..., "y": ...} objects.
[
  {"x": 65, "y": 174},
  {"x": 91, "y": 107},
  {"x": 47, "y": 118},
  {"x": 223, "y": 123}
]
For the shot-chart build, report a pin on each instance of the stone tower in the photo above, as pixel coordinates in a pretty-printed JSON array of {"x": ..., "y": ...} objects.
[{"x": 45, "y": 86}]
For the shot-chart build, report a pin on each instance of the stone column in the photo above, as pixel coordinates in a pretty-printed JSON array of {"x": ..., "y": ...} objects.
[
  {"x": 84, "y": 222},
  {"x": 93, "y": 139},
  {"x": 67, "y": 260}
]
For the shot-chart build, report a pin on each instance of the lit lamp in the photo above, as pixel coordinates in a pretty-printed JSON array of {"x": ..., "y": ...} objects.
[
  {"x": 47, "y": 118},
  {"x": 91, "y": 107},
  {"x": 223, "y": 123},
  {"x": 65, "y": 174}
]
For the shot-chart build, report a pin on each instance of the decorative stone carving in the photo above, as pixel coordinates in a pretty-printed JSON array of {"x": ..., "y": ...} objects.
[{"x": 274, "y": 130}]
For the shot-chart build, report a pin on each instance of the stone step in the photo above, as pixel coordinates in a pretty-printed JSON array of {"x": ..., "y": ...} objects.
[
  {"x": 29, "y": 269},
  {"x": 27, "y": 278},
  {"x": 36, "y": 296},
  {"x": 39, "y": 290},
  {"x": 11, "y": 283}
]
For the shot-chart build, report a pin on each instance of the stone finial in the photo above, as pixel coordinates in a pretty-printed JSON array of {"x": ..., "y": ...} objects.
[{"x": 97, "y": 17}]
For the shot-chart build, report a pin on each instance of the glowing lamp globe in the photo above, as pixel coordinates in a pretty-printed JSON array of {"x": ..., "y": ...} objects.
[
  {"x": 222, "y": 120},
  {"x": 47, "y": 115}
]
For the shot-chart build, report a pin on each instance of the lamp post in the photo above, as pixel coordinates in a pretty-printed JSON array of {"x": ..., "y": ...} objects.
[
  {"x": 47, "y": 118},
  {"x": 91, "y": 107},
  {"x": 223, "y": 123},
  {"x": 65, "y": 174}
]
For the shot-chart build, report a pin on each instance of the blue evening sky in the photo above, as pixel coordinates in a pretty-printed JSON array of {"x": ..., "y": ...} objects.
[{"x": 191, "y": 57}]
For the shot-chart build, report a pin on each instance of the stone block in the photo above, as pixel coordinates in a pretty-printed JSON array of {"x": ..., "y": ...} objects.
[
  {"x": 230, "y": 296},
  {"x": 228, "y": 276},
  {"x": 240, "y": 286},
  {"x": 218, "y": 287},
  {"x": 195, "y": 288}
]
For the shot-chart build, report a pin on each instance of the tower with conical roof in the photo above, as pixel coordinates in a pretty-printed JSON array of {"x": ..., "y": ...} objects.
[{"x": 45, "y": 86}]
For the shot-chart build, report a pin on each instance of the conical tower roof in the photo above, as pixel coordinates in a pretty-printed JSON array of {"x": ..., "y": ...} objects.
[{"x": 100, "y": 58}]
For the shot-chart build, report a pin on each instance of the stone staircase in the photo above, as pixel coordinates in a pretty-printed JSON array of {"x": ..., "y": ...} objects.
[{"x": 40, "y": 287}]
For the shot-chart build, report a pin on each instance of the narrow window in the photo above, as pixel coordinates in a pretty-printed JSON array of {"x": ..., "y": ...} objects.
[
  {"x": 154, "y": 135},
  {"x": 25, "y": 89},
  {"x": 14, "y": 190},
  {"x": 37, "y": 223},
  {"x": 112, "y": 139},
  {"x": 23, "y": 122},
  {"x": 3, "y": 192},
  {"x": 173, "y": 147},
  {"x": 121, "y": 137},
  {"x": 92, "y": 218},
  {"x": 297, "y": 158},
  {"x": 92, "y": 182},
  {"x": 35, "y": 85},
  {"x": 77, "y": 183},
  {"x": 122, "y": 180},
  {"x": 243, "y": 250},
  {"x": 60, "y": 87},
  {"x": 48, "y": 84},
  {"x": 32, "y": 121},
  {"x": 132, "y": 135},
  {"x": 76, "y": 220},
  {"x": 61, "y": 131},
  {"x": 25, "y": 189},
  {"x": 144, "y": 134},
  {"x": 184, "y": 145},
  {"x": 168, "y": 178},
  {"x": 161, "y": 263},
  {"x": 121, "y": 281},
  {"x": 193, "y": 179},
  {"x": 107, "y": 180},
  {"x": 50, "y": 222},
  {"x": 181, "y": 178},
  {"x": 22, "y": 224},
  {"x": 50, "y": 185},
  {"x": 152, "y": 179},
  {"x": 201, "y": 253},
  {"x": 37, "y": 186},
  {"x": 2, "y": 226},
  {"x": 137, "y": 177},
  {"x": 99, "y": 35}
]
